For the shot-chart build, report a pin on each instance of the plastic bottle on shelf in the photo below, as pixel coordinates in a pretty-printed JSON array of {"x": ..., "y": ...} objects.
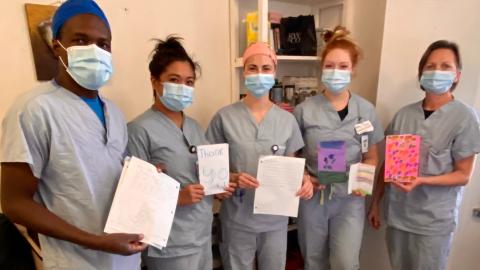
[{"x": 276, "y": 93}]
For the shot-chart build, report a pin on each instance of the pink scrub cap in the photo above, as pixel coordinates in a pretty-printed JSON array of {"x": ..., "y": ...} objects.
[{"x": 259, "y": 48}]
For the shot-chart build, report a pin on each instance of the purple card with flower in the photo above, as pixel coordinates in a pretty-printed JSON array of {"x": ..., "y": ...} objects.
[{"x": 331, "y": 156}]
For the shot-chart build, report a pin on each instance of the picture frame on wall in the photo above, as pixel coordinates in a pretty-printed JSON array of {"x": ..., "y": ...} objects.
[{"x": 39, "y": 19}]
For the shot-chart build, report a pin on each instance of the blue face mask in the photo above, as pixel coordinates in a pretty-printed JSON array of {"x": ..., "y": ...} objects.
[
  {"x": 259, "y": 84},
  {"x": 176, "y": 97},
  {"x": 437, "y": 81},
  {"x": 89, "y": 66},
  {"x": 335, "y": 79}
]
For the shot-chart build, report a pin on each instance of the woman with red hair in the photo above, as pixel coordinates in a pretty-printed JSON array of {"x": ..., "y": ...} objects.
[{"x": 331, "y": 224}]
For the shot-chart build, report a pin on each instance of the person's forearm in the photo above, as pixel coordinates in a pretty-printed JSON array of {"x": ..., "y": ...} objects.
[
  {"x": 379, "y": 191},
  {"x": 370, "y": 161},
  {"x": 379, "y": 187},
  {"x": 455, "y": 178},
  {"x": 36, "y": 217},
  {"x": 371, "y": 157},
  {"x": 458, "y": 177}
]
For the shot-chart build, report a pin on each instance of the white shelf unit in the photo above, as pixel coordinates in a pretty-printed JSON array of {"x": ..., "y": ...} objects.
[
  {"x": 328, "y": 13},
  {"x": 238, "y": 62}
]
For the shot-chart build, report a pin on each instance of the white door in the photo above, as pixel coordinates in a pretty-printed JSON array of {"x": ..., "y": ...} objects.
[{"x": 466, "y": 243}]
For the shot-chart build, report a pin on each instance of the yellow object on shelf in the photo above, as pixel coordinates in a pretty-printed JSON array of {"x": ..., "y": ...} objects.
[{"x": 252, "y": 27}]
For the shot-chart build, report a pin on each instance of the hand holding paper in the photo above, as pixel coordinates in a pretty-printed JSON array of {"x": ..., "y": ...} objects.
[
  {"x": 409, "y": 186},
  {"x": 191, "y": 194},
  {"x": 121, "y": 243},
  {"x": 228, "y": 192},
  {"x": 306, "y": 191},
  {"x": 247, "y": 181}
]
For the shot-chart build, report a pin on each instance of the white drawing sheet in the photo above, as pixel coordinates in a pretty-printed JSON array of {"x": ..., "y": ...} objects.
[
  {"x": 280, "y": 179},
  {"x": 144, "y": 202}
]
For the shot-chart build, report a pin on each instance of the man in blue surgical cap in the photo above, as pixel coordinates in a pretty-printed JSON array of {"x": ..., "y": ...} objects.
[{"x": 62, "y": 147}]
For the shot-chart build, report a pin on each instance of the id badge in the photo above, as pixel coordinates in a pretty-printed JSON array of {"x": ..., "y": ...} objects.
[
  {"x": 363, "y": 127},
  {"x": 364, "y": 144}
]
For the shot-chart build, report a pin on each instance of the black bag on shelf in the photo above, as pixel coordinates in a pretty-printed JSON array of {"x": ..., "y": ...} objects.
[{"x": 298, "y": 36}]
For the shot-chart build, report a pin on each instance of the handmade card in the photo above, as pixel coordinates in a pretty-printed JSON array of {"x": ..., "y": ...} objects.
[
  {"x": 213, "y": 166},
  {"x": 332, "y": 164},
  {"x": 361, "y": 178},
  {"x": 402, "y": 154}
]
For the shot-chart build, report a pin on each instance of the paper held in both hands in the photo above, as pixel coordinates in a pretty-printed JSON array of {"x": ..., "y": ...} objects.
[
  {"x": 144, "y": 203},
  {"x": 280, "y": 179}
]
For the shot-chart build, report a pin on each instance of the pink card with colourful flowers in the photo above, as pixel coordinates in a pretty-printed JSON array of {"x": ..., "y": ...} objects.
[{"x": 402, "y": 153}]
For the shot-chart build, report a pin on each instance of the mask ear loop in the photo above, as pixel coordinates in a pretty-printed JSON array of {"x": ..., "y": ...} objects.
[
  {"x": 61, "y": 60},
  {"x": 157, "y": 94},
  {"x": 163, "y": 89}
]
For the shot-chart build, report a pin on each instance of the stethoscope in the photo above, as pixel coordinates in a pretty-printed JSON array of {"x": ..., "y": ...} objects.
[
  {"x": 191, "y": 148},
  {"x": 274, "y": 148}
]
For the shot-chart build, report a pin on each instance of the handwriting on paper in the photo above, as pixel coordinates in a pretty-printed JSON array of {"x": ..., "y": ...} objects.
[
  {"x": 280, "y": 178},
  {"x": 152, "y": 210},
  {"x": 213, "y": 167}
]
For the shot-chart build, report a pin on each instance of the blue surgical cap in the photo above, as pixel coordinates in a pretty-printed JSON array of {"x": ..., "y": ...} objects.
[{"x": 72, "y": 8}]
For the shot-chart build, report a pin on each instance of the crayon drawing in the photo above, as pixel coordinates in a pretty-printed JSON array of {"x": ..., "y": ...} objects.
[{"x": 402, "y": 157}]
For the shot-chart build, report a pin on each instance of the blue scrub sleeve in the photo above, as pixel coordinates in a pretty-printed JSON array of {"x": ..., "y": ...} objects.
[
  {"x": 378, "y": 134},
  {"x": 215, "y": 132},
  {"x": 138, "y": 142},
  {"x": 467, "y": 142},
  {"x": 295, "y": 142},
  {"x": 298, "y": 114},
  {"x": 25, "y": 138}
]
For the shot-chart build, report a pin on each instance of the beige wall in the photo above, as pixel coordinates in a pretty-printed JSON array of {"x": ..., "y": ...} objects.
[
  {"x": 202, "y": 23},
  {"x": 365, "y": 20}
]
